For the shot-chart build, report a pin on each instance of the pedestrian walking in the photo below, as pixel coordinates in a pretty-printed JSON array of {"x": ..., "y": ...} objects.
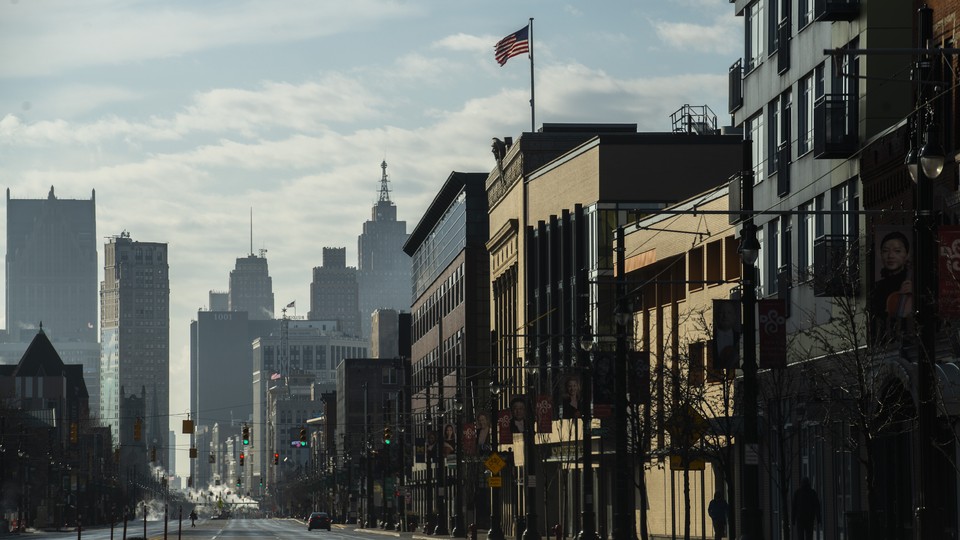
[
  {"x": 806, "y": 510},
  {"x": 718, "y": 511}
]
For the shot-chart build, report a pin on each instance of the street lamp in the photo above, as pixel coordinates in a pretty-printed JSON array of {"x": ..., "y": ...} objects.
[
  {"x": 750, "y": 515},
  {"x": 530, "y": 458},
  {"x": 623, "y": 509},
  {"x": 931, "y": 158},
  {"x": 587, "y": 521},
  {"x": 495, "y": 532},
  {"x": 457, "y": 531}
]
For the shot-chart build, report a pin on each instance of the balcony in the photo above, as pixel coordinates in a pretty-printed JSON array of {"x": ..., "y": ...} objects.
[
  {"x": 836, "y": 270},
  {"x": 836, "y": 10},
  {"x": 783, "y": 170},
  {"x": 735, "y": 89},
  {"x": 835, "y": 124},
  {"x": 783, "y": 48}
]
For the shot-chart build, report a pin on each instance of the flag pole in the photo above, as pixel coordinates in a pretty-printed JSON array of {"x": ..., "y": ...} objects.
[{"x": 533, "y": 109}]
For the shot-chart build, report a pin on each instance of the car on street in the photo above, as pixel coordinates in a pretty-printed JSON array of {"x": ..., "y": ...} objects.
[{"x": 318, "y": 520}]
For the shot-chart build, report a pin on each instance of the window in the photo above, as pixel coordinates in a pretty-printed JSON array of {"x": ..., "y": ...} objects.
[
  {"x": 773, "y": 255},
  {"x": 754, "y": 35},
  {"x": 773, "y": 134},
  {"x": 756, "y": 134},
  {"x": 805, "y": 239},
  {"x": 844, "y": 198},
  {"x": 804, "y": 12},
  {"x": 714, "y": 261},
  {"x": 773, "y": 19},
  {"x": 695, "y": 269},
  {"x": 805, "y": 115}
]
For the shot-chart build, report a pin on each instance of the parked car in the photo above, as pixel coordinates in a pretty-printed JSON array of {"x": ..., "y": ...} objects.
[{"x": 318, "y": 520}]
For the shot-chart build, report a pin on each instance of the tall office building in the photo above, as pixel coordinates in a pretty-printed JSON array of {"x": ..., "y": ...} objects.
[
  {"x": 52, "y": 278},
  {"x": 135, "y": 336},
  {"x": 334, "y": 292},
  {"x": 384, "y": 269},
  {"x": 251, "y": 288}
]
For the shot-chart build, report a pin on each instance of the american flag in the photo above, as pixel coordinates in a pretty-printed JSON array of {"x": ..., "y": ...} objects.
[{"x": 515, "y": 44}]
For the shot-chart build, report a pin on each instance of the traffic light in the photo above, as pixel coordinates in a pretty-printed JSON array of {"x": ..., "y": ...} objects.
[
  {"x": 189, "y": 481},
  {"x": 153, "y": 454},
  {"x": 276, "y": 458},
  {"x": 303, "y": 436},
  {"x": 138, "y": 430},
  {"x": 246, "y": 435},
  {"x": 239, "y": 481},
  {"x": 74, "y": 436},
  {"x": 387, "y": 435},
  {"x": 241, "y": 459}
]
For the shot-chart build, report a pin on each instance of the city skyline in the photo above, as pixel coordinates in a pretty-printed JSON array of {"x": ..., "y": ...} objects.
[{"x": 200, "y": 113}]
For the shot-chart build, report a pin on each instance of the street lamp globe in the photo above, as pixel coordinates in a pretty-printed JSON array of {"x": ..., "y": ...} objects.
[
  {"x": 931, "y": 155},
  {"x": 749, "y": 246}
]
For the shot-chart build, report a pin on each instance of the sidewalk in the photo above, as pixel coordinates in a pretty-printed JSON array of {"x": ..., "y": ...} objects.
[{"x": 418, "y": 535}]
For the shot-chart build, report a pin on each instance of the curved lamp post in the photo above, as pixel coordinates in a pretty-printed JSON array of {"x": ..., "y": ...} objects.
[
  {"x": 587, "y": 520},
  {"x": 458, "y": 531},
  {"x": 530, "y": 458}
]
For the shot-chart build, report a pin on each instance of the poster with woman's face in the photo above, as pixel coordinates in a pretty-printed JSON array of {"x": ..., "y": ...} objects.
[{"x": 892, "y": 292}]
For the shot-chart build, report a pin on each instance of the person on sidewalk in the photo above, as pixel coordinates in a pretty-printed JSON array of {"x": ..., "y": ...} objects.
[
  {"x": 718, "y": 511},
  {"x": 806, "y": 510}
]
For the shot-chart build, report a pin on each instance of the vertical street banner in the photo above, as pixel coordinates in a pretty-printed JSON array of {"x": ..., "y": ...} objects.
[
  {"x": 638, "y": 377},
  {"x": 603, "y": 385},
  {"x": 544, "y": 412},
  {"x": 469, "y": 438},
  {"x": 949, "y": 277},
  {"x": 772, "y": 319},
  {"x": 726, "y": 334},
  {"x": 503, "y": 426}
]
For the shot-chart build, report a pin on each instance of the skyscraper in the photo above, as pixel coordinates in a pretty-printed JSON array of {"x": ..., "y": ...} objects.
[
  {"x": 251, "y": 287},
  {"x": 334, "y": 292},
  {"x": 52, "y": 278},
  {"x": 384, "y": 269},
  {"x": 135, "y": 336}
]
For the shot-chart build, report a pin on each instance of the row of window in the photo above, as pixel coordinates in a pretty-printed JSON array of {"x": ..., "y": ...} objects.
[{"x": 444, "y": 299}]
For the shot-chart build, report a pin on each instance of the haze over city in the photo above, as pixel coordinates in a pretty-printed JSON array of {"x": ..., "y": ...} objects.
[{"x": 183, "y": 117}]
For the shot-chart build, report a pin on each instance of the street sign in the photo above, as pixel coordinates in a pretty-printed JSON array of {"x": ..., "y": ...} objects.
[
  {"x": 692, "y": 464},
  {"x": 494, "y": 463},
  {"x": 495, "y": 481}
]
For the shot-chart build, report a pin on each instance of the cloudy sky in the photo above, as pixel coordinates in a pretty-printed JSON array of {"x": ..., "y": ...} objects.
[{"x": 184, "y": 115}]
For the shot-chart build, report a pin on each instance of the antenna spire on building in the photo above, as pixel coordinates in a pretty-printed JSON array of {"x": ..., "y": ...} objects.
[
  {"x": 251, "y": 230},
  {"x": 384, "y": 189}
]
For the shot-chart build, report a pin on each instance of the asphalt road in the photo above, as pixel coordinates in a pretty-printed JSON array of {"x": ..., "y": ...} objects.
[{"x": 228, "y": 529}]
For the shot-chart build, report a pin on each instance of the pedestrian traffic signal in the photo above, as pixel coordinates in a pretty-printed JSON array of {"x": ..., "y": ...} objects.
[
  {"x": 387, "y": 435},
  {"x": 246, "y": 435},
  {"x": 241, "y": 459},
  {"x": 276, "y": 458},
  {"x": 303, "y": 436}
]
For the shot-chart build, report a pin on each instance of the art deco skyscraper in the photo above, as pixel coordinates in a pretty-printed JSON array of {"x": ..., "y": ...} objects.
[
  {"x": 135, "y": 342},
  {"x": 384, "y": 269},
  {"x": 52, "y": 278},
  {"x": 334, "y": 292},
  {"x": 251, "y": 288}
]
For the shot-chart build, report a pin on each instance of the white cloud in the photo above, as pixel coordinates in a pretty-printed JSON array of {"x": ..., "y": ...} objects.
[
  {"x": 721, "y": 37},
  {"x": 41, "y": 38}
]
